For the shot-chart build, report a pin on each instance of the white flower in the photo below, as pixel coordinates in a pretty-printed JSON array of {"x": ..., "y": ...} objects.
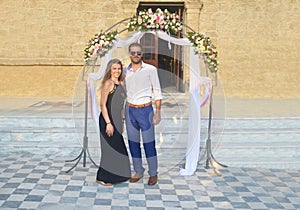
[{"x": 101, "y": 42}]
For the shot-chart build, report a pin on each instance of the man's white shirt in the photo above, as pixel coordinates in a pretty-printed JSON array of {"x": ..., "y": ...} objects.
[{"x": 142, "y": 85}]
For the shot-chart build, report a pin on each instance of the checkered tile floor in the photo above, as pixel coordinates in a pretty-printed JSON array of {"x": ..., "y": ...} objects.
[{"x": 41, "y": 182}]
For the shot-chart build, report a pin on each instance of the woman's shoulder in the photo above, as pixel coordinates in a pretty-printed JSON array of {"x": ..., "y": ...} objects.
[
  {"x": 109, "y": 82},
  {"x": 108, "y": 85}
]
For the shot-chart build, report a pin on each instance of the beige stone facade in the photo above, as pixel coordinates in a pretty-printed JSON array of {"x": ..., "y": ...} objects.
[{"x": 42, "y": 43}]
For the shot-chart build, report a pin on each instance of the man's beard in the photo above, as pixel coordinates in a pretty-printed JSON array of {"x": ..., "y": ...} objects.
[{"x": 136, "y": 62}]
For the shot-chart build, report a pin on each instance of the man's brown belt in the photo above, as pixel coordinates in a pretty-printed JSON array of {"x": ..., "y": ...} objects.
[{"x": 140, "y": 105}]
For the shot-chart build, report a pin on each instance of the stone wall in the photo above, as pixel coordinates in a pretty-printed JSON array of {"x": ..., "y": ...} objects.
[
  {"x": 42, "y": 43},
  {"x": 258, "y": 42}
]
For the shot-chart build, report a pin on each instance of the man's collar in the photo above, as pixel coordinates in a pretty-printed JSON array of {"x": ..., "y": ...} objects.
[{"x": 129, "y": 66}]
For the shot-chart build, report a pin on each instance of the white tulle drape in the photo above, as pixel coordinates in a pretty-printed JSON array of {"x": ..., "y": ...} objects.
[{"x": 193, "y": 141}]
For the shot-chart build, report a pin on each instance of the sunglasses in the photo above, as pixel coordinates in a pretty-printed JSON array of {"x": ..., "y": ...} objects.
[{"x": 139, "y": 53}]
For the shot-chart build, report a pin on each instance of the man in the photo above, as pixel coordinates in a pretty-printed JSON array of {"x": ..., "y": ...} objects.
[{"x": 141, "y": 84}]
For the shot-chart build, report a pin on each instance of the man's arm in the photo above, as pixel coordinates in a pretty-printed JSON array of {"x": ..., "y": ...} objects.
[
  {"x": 157, "y": 95},
  {"x": 157, "y": 117}
]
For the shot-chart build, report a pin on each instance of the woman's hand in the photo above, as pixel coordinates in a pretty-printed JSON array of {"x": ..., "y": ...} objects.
[{"x": 109, "y": 130}]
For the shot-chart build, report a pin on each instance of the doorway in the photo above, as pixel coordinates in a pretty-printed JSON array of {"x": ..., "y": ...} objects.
[{"x": 168, "y": 60}]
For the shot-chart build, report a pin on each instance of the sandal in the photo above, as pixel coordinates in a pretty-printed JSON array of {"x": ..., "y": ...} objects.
[{"x": 103, "y": 183}]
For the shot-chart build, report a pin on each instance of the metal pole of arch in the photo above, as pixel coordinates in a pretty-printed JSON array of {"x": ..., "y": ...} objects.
[
  {"x": 210, "y": 159},
  {"x": 85, "y": 150}
]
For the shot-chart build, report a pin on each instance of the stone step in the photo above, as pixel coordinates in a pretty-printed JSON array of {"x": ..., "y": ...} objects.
[
  {"x": 269, "y": 142},
  {"x": 234, "y": 131},
  {"x": 167, "y": 121},
  {"x": 232, "y": 135},
  {"x": 262, "y": 123}
]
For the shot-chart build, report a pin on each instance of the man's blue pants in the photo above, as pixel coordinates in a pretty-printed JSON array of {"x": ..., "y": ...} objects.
[{"x": 139, "y": 122}]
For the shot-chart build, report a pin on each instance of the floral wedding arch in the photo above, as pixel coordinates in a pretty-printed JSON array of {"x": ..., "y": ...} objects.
[
  {"x": 165, "y": 21},
  {"x": 162, "y": 24}
]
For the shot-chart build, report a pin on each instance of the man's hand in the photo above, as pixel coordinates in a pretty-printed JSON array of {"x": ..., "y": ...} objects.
[{"x": 156, "y": 118}]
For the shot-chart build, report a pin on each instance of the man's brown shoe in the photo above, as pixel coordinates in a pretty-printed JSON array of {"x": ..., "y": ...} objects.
[
  {"x": 152, "y": 180},
  {"x": 136, "y": 178}
]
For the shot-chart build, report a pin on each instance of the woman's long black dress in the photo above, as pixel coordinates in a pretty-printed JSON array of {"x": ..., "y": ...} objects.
[{"x": 114, "y": 163}]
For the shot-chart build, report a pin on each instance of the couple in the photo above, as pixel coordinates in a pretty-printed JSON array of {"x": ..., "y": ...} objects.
[{"x": 141, "y": 82}]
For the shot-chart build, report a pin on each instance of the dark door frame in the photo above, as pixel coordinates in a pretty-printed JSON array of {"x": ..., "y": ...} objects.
[{"x": 151, "y": 47}]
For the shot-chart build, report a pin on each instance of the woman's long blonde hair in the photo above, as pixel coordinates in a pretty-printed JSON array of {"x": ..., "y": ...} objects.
[{"x": 108, "y": 70}]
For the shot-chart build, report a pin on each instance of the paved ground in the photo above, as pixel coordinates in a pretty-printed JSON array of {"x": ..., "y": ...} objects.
[
  {"x": 41, "y": 182},
  {"x": 31, "y": 179}
]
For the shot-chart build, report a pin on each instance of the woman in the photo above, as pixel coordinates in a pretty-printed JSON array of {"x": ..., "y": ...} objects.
[{"x": 114, "y": 162}]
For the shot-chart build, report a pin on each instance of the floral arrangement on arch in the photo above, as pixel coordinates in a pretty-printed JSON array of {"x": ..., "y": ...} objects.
[
  {"x": 146, "y": 20},
  {"x": 205, "y": 48},
  {"x": 159, "y": 20},
  {"x": 100, "y": 44}
]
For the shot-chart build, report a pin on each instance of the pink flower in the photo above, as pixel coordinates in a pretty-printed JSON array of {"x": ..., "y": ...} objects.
[
  {"x": 158, "y": 19},
  {"x": 140, "y": 20}
]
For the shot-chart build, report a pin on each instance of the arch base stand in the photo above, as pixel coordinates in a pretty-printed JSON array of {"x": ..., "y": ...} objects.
[
  {"x": 85, "y": 150},
  {"x": 210, "y": 159}
]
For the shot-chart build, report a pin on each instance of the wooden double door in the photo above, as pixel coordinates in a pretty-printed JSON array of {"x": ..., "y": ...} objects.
[
  {"x": 168, "y": 61},
  {"x": 157, "y": 52}
]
